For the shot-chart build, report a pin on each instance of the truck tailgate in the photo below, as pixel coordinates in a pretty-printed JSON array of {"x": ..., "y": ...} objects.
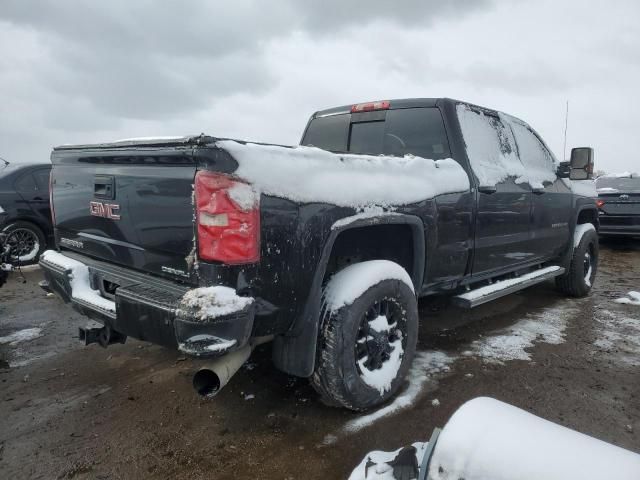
[{"x": 132, "y": 207}]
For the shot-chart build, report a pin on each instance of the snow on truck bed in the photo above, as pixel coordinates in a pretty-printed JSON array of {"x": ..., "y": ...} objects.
[{"x": 309, "y": 174}]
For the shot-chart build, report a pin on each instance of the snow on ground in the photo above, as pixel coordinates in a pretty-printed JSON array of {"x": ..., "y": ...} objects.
[
  {"x": 425, "y": 367},
  {"x": 21, "y": 336},
  {"x": 618, "y": 336},
  {"x": 309, "y": 174},
  {"x": 378, "y": 465},
  {"x": 351, "y": 282},
  {"x": 213, "y": 302},
  {"x": 510, "y": 343},
  {"x": 632, "y": 298}
]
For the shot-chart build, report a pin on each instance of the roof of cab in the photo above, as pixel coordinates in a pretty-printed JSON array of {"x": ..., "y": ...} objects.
[{"x": 394, "y": 104}]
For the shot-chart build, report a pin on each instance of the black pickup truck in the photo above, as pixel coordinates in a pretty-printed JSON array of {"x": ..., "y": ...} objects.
[{"x": 212, "y": 246}]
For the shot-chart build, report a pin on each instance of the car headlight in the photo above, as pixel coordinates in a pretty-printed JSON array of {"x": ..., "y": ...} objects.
[{"x": 1, "y": 209}]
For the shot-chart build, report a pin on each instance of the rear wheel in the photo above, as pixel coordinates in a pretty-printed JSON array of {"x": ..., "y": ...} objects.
[
  {"x": 367, "y": 346},
  {"x": 579, "y": 278},
  {"x": 26, "y": 242}
]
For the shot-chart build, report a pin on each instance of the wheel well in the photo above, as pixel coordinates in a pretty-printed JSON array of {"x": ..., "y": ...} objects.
[
  {"x": 588, "y": 215},
  {"x": 392, "y": 242}
]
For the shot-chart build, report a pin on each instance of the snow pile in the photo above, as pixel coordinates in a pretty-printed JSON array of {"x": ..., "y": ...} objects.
[
  {"x": 211, "y": 302},
  {"x": 79, "y": 279},
  {"x": 426, "y": 365},
  {"x": 309, "y": 174},
  {"x": 488, "y": 439},
  {"x": 382, "y": 378},
  {"x": 351, "y": 282},
  {"x": 632, "y": 298},
  {"x": 378, "y": 465},
  {"x": 20, "y": 336},
  {"x": 579, "y": 232},
  {"x": 511, "y": 343}
]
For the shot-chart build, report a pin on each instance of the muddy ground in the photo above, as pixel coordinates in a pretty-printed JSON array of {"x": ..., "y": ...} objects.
[{"x": 68, "y": 411}]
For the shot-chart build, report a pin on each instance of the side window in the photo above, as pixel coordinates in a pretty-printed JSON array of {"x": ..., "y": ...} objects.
[
  {"x": 535, "y": 157},
  {"x": 42, "y": 179},
  {"x": 26, "y": 183},
  {"x": 490, "y": 146}
]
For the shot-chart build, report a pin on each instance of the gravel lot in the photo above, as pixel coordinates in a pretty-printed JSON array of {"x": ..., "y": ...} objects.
[{"x": 68, "y": 411}]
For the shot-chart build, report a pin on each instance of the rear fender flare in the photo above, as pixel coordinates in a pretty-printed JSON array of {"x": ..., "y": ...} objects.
[{"x": 295, "y": 351}]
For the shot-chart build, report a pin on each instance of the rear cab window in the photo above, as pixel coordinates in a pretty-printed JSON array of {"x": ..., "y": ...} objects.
[{"x": 397, "y": 132}]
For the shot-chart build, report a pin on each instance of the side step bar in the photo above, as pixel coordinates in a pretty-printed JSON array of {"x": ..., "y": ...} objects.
[{"x": 485, "y": 294}]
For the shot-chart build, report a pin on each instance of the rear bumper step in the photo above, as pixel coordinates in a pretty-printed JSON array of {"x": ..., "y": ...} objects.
[
  {"x": 485, "y": 294},
  {"x": 147, "y": 308}
]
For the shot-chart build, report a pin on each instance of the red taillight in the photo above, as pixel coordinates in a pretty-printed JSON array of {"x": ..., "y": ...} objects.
[
  {"x": 227, "y": 219},
  {"x": 369, "y": 107},
  {"x": 53, "y": 212},
  {"x": 599, "y": 203}
]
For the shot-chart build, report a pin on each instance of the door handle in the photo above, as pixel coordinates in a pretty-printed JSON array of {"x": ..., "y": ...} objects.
[
  {"x": 538, "y": 190},
  {"x": 488, "y": 189}
]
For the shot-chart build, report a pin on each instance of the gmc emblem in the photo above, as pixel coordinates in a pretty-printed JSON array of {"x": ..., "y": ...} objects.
[{"x": 105, "y": 210}]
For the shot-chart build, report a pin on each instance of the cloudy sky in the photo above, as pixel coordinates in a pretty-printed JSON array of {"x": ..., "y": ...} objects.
[{"x": 77, "y": 71}]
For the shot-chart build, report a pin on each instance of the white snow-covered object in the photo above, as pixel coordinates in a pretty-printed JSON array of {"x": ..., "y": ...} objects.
[
  {"x": 79, "y": 278},
  {"x": 309, "y": 174},
  {"x": 377, "y": 465},
  {"x": 489, "y": 439},
  {"x": 351, "y": 282},
  {"x": 207, "y": 303}
]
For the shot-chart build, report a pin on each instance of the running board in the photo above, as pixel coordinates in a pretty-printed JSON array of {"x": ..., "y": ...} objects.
[{"x": 485, "y": 294}]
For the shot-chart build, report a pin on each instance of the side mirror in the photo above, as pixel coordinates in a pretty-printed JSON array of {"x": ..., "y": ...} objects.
[{"x": 581, "y": 163}]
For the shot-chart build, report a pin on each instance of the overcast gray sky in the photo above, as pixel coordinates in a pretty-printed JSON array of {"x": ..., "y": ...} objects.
[{"x": 76, "y": 71}]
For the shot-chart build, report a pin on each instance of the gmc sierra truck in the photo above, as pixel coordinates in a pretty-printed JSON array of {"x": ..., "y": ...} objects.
[{"x": 212, "y": 246}]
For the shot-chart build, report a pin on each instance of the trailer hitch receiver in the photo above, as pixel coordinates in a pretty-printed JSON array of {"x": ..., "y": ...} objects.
[{"x": 100, "y": 334}]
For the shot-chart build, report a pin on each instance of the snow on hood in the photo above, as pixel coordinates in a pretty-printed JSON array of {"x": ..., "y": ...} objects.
[{"x": 309, "y": 174}]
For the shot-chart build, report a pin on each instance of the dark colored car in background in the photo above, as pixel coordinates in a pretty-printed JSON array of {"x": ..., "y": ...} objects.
[
  {"x": 619, "y": 204},
  {"x": 24, "y": 210}
]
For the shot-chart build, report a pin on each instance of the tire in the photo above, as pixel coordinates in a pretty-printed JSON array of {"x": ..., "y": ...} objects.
[
  {"x": 28, "y": 240},
  {"x": 355, "y": 349},
  {"x": 579, "y": 278}
]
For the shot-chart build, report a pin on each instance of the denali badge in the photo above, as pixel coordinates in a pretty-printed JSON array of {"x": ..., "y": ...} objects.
[
  {"x": 106, "y": 210},
  {"x": 71, "y": 243}
]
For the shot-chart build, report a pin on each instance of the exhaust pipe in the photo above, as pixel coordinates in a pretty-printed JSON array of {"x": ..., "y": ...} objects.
[{"x": 211, "y": 378}]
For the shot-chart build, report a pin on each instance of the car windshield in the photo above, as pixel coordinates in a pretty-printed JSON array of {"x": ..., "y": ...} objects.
[
  {"x": 619, "y": 184},
  {"x": 415, "y": 131}
]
